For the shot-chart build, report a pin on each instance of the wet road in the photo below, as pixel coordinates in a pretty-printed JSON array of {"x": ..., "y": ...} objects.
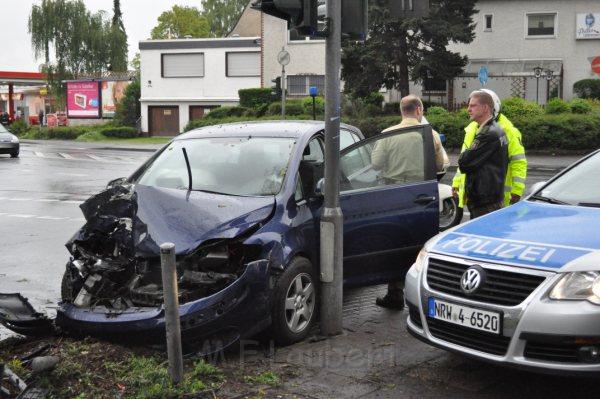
[{"x": 39, "y": 197}]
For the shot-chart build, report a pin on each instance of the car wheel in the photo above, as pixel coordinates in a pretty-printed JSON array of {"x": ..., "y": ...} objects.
[
  {"x": 451, "y": 214},
  {"x": 294, "y": 302},
  {"x": 14, "y": 154}
]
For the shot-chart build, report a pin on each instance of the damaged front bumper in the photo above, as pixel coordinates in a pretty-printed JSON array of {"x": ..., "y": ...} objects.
[{"x": 239, "y": 310}]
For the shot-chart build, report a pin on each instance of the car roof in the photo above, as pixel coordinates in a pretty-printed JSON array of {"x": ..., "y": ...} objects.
[{"x": 287, "y": 128}]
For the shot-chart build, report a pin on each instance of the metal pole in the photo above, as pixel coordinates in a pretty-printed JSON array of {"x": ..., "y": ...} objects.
[
  {"x": 314, "y": 108},
  {"x": 332, "y": 219},
  {"x": 537, "y": 90},
  {"x": 171, "y": 305},
  {"x": 283, "y": 86}
]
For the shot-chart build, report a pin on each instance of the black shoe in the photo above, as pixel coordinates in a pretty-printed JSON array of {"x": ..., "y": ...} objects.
[{"x": 390, "y": 302}]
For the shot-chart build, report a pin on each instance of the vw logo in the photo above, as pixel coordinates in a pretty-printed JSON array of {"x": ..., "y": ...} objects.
[{"x": 472, "y": 279}]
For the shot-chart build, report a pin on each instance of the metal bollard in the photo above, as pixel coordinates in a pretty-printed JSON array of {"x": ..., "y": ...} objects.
[{"x": 171, "y": 305}]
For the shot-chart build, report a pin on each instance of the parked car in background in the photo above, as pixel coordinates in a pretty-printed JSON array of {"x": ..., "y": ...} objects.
[
  {"x": 242, "y": 204},
  {"x": 9, "y": 143},
  {"x": 520, "y": 286}
]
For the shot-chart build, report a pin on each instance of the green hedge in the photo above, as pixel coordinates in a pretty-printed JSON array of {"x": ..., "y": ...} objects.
[
  {"x": 57, "y": 133},
  {"x": 255, "y": 98},
  {"x": 198, "y": 123},
  {"x": 307, "y": 104},
  {"x": 557, "y": 106},
  {"x": 292, "y": 108},
  {"x": 121, "y": 132},
  {"x": 587, "y": 88},
  {"x": 580, "y": 106}
]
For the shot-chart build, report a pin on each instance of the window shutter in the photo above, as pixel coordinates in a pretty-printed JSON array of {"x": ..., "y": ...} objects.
[
  {"x": 243, "y": 64},
  {"x": 183, "y": 65}
]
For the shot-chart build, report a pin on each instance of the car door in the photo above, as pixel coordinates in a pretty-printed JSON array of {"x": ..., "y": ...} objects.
[{"x": 389, "y": 198}]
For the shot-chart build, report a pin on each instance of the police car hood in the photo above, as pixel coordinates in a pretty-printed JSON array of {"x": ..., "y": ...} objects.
[{"x": 528, "y": 234}]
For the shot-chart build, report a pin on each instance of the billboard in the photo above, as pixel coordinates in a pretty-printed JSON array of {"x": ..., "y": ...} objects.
[
  {"x": 112, "y": 93},
  {"x": 83, "y": 99},
  {"x": 588, "y": 26}
]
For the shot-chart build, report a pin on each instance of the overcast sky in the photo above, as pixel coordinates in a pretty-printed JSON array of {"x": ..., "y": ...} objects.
[{"x": 139, "y": 16}]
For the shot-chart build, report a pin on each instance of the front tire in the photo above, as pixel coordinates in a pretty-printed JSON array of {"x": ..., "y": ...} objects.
[
  {"x": 14, "y": 154},
  {"x": 294, "y": 302},
  {"x": 451, "y": 214}
]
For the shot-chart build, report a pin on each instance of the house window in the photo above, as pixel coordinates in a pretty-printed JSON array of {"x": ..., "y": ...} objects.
[
  {"x": 295, "y": 36},
  {"x": 488, "y": 23},
  {"x": 183, "y": 65},
  {"x": 298, "y": 85},
  {"x": 541, "y": 24},
  {"x": 434, "y": 85},
  {"x": 243, "y": 63}
]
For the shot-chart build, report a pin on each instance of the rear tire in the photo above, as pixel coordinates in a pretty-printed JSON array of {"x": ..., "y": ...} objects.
[
  {"x": 451, "y": 214},
  {"x": 294, "y": 309}
]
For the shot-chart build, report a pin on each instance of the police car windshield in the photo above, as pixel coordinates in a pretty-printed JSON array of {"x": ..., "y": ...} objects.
[{"x": 578, "y": 186}]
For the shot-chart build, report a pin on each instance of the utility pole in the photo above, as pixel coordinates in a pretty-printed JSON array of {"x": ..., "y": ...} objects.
[
  {"x": 332, "y": 218},
  {"x": 283, "y": 58}
]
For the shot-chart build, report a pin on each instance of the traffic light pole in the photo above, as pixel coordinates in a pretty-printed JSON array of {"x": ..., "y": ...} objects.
[
  {"x": 332, "y": 218},
  {"x": 283, "y": 87}
]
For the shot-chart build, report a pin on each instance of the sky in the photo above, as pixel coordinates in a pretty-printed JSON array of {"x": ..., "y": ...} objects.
[{"x": 139, "y": 17}]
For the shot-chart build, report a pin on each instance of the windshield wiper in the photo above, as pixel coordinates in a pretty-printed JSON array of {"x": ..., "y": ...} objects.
[
  {"x": 549, "y": 200},
  {"x": 590, "y": 204},
  {"x": 189, "y": 169}
]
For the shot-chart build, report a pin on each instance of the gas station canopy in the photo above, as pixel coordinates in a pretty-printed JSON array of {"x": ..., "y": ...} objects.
[{"x": 22, "y": 78}]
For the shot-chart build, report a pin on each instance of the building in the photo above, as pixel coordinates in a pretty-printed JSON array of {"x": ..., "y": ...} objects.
[
  {"x": 182, "y": 79},
  {"x": 513, "y": 38}
]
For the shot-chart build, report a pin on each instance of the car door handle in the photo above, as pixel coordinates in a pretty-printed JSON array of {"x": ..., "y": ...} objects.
[{"x": 424, "y": 200}]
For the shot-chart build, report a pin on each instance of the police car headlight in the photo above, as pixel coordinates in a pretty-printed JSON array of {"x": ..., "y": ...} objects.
[
  {"x": 420, "y": 262},
  {"x": 14, "y": 139},
  {"x": 583, "y": 286}
]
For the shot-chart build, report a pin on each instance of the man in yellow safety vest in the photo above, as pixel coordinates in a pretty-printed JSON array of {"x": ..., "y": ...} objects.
[{"x": 514, "y": 185}]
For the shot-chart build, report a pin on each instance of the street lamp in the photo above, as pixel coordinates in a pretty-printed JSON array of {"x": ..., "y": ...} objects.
[
  {"x": 549, "y": 75},
  {"x": 537, "y": 72}
]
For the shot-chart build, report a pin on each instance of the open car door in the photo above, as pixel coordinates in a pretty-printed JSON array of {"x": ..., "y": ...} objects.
[{"x": 389, "y": 197}]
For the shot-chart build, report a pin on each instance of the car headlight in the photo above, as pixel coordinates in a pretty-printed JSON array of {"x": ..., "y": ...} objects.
[
  {"x": 583, "y": 286},
  {"x": 420, "y": 262},
  {"x": 14, "y": 139}
]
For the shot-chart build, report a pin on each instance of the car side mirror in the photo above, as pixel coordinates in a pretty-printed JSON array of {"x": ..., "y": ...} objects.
[
  {"x": 537, "y": 186},
  {"x": 116, "y": 182},
  {"x": 310, "y": 173},
  {"x": 319, "y": 188}
]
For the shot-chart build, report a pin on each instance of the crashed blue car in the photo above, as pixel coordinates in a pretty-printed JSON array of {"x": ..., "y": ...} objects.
[{"x": 241, "y": 203}]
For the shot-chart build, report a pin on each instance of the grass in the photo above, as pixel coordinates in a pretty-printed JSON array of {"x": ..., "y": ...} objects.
[
  {"x": 265, "y": 378},
  {"x": 99, "y": 137}
]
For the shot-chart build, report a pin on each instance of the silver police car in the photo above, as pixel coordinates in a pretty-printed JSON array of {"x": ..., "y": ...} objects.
[
  {"x": 520, "y": 286},
  {"x": 9, "y": 143}
]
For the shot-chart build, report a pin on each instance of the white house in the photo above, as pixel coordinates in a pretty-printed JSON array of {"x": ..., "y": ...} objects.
[{"x": 182, "y": 79}]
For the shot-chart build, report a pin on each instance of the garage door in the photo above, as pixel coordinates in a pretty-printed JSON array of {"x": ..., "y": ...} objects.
[
  {"x": 196, "y": 112},
  {"x": 164, "y": 121}
]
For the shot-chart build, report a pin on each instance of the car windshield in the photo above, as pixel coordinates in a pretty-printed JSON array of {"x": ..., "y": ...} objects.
[
  {"x": 246, "y": 166},
  {"x": 3, "y": 129},
  {"x": 578, "y": 186}
]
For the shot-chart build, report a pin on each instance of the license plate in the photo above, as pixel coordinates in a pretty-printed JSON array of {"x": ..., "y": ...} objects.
[{"x": 465, "y": 316}]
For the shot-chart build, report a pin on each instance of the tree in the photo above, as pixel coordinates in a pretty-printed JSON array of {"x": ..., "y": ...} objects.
[
  {"x": 400, "y": 49},
  {"x": 180, "y": 22},
  {"x": 222, "y": 15},
  {"x": 118, "y": 40},
  {"x": 41, "y": 27},
  {"x": 128, "y": 109}
]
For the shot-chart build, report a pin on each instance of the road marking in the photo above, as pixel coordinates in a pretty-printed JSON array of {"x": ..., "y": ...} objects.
[
  {"x": 51, "y": 217},
  {"x": 72, "y": 174},
  {"x": 20, "y": 199},
  {"x": 17, "y": 215},
  {"x": 97, "y": 158},
  {"x": 47, "y": 200},
  {"x": 65, "y": 156},
  {"x": 44, "y": 217},
  {"x": 73, "y": 202},
  {"x": 39, "y": 154}
]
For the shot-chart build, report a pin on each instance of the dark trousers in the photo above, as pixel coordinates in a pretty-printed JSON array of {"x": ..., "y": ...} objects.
[{"x": 480, "y": 210}]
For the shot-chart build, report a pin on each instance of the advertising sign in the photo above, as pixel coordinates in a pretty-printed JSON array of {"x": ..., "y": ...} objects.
[
  {"x": 483, "y": 75},
  {"x": 588, "y": 26},
  {"x": 83, "y": 100},
  {"x": 112, "y": 93},
  {"x": 595, "y": 65}
]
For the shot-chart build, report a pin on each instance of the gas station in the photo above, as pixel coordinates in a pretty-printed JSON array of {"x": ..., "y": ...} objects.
[{"x": 25, "y": 80}]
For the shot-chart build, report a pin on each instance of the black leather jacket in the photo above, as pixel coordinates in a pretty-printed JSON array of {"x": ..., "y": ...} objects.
[{"x": 485, "y": 164}]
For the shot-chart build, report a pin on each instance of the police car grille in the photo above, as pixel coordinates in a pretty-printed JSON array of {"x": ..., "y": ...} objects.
[
  {"x": 500, "y": 288},
  {"x": 554, "y": 352},
  {"x": 472, "y": 339},
  {"x": 415, "y": 317}
]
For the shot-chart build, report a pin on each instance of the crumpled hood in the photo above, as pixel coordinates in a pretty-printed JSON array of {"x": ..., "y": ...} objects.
[
  {"x": 189, "y": 218},
  {"x": 528, "y": 234},
  {"x": 138, "y": 219}
]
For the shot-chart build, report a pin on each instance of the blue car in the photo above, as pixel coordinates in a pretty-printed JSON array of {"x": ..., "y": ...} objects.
[
  {"x": 519, "y": 286},
  {"x": 241, "y": 203}
]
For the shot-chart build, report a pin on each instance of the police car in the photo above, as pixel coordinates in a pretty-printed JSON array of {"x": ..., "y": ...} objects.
[{"x": 520, "y": 286}]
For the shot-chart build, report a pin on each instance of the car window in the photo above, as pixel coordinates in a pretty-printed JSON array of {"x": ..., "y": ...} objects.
[
  {"x": 236, "y": 166},
  {"x": 578, "y": 185},
  {"x": 298, "y": 195},
  {"x": 347, "y": 139},
  {"x": 390, "y": 160},
  {"x": 314, "y": 151}
]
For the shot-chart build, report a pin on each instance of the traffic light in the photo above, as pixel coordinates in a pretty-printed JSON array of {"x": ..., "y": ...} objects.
[
  {"x": 355, "y": 20},
  {"x": 300, "y": 14},
  {"x": 276, "y": 89}
]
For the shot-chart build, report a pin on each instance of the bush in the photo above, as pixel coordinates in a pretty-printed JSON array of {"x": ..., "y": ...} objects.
[
  {"x": 254, "y": 98},
  {"x": 121, "y": 132},
  {"x": 557, "y": 106},
  {"x": 91, "y": 136},
  {"x": 563, "y": 131},
  {"x": 587, "y": 88},
  {"x": 307, "y": 104},
  {"x": 391, "y": 108},
  {"x": 579, "y": 106},
  {"x": 436, "y": 110},
  {"x": 292, "y": 107},
  {"x": 374, "y": 98},
  {"x": 18, "y": 127},
  {"x": 516, "y": 107},
  {"x": 57, "y": 133},
  {"x": 226, "y": 112},
  {"x": 128, "y": 109}
]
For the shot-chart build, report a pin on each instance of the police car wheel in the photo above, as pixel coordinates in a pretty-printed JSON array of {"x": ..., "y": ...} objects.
[
  {"x": 14, "y": 154},
  {"x": 294, "y": 302},
  {"x": 451, "y": 214}
]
